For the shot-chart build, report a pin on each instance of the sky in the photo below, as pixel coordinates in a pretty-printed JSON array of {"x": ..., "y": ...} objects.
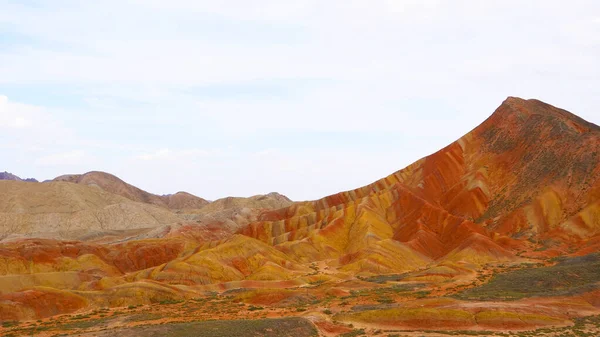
[{"x": 304, "y": 97}]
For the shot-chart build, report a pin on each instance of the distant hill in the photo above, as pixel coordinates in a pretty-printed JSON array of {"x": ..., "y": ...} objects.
[
  {"x": 235, "y": 212},
  {"x": 113, "y": 184},
  {"x": 9, "y": 176},
  {"x": 95, "y": 204},
  {"x": 272, "y": 200},
  {"x": 230, "y": 213},
  {"x": 63, "y": 208}
]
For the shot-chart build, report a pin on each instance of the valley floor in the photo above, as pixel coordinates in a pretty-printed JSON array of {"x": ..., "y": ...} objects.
[{"x": 559, "y": 298}]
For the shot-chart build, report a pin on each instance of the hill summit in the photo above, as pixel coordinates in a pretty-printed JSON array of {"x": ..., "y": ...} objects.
[{"x": 113, "y": 184}]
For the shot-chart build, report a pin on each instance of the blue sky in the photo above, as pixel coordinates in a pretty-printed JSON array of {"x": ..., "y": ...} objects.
[{"x": 304, "y": 97}]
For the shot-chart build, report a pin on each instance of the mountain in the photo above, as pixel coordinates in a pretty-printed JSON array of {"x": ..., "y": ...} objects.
[
  {"x": 183, "y": 200},
  {"x": 528, "y": 172},
  {"x": 112, "y": 184},
  {"x": 235, "y": 212},
  {"x": 96, "y": 204},
  {"x": 228, "y": 213},
  {"x": 497, "y": 232},
  {"x": 271, "y": 200},
  {"x": 9, "y": 176},
  {"x": 63, "y": 209}
]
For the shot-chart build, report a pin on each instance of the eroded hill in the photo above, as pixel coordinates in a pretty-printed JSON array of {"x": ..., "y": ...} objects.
[
  {"x": 526, "y": 178},
  {"x": 62, "y": 209},
  {"x": 112, "y": 184},
  {"x": 463, "y": 239}
]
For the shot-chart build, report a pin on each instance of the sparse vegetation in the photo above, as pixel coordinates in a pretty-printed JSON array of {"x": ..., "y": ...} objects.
[
  {"x": 146, "y": 316},
  {"x": 280, "y": 327},
  {"x": 569, "y": 277},
  {"x": 254, "y": 308},
  {"x": 354, "y": 333},
  {"x": 422, "y": 293},
  {"x": 381, "y": 279},
  {"x": 8, "y": 324},
  {"x": 385, "y": 300},
  {"x": 170, "y": 301},
  {"x": 83, "y": 324}
]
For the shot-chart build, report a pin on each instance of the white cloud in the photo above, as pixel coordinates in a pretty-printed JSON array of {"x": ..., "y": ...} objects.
[
  {"x": 32, "y": 126},
  {"x": 162, "y": 153},
  {"x": 15, "y": 115},
  {"x": 343, "y": 40},
  {"x": 180, "y": 154},
  {"x": 70, "y": 158},
  {"x": 266, "y": 152},
  {"x": 585, "y": 32}
]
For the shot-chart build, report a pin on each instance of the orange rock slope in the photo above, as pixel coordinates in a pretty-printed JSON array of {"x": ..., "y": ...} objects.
[
  {"x": 523, "y": 185},
  {"x": 527, "y": 176}
]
